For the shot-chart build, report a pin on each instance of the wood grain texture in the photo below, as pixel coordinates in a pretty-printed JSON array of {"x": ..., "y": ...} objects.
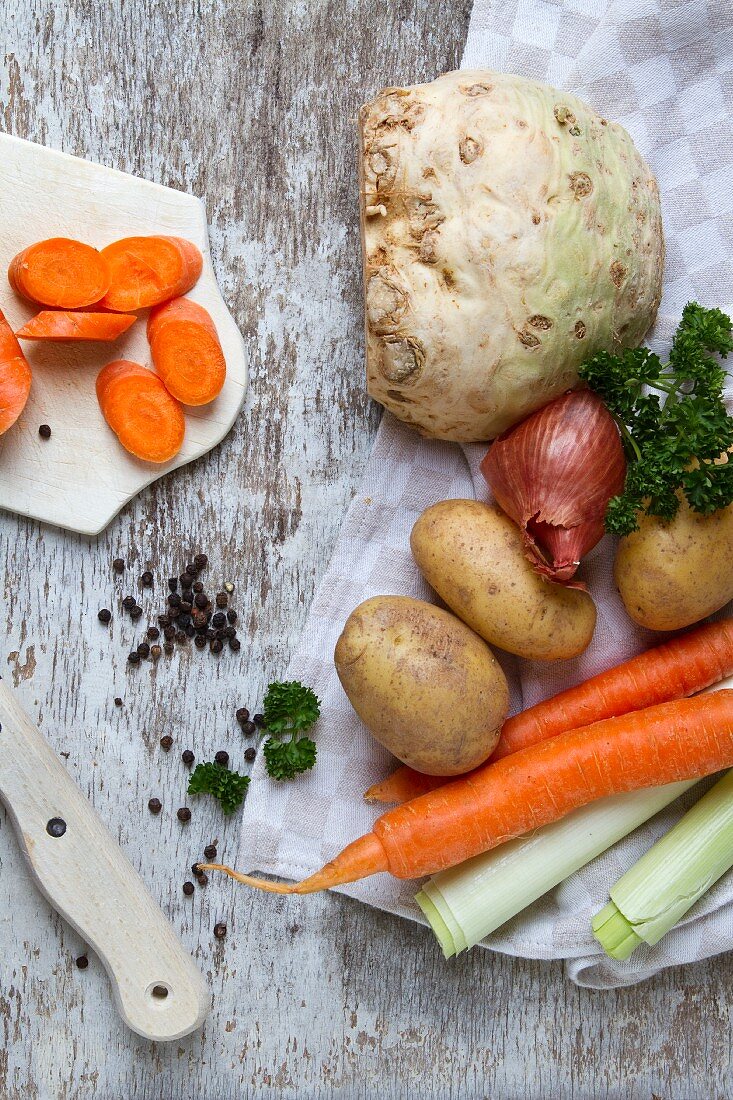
[{"x": 254, "y": 109}]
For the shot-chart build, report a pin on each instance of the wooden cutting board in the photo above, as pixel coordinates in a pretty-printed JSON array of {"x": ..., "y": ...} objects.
[{"x": 81, "y": 477}]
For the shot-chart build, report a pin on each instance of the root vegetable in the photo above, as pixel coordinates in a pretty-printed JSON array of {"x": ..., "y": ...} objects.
[
  {"x": 71, "y": 325},
  {"x": 60, "y": 272},
  {"x": 148, "y": 422},
  {"x": 186, "y": 351},
  {"x": 145, "y": 271},
  {"x": 15, "y": 377}
]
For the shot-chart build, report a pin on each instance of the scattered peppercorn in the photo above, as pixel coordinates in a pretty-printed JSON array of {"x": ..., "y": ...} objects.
[
  {"x": 155, "y": 652},
  {"x": 82, "y": 962},
  {"x": 220, "y": 930},
  {"x": 199, "y": 618},
  {"x": 118, "y": 701},
  {"x": 169, "y": 633},
  {"x": 210, "y": 851},
  {"x": 174, "y": 599},
  {"x": 190, "y": 630},
  {"x": 147, "y": 579},
  {"x": 242, "y": 714},
  {"x": 230, "y": 632},
  {"x": 129, "y": 602},
  {"x": 197, "y": 586},
  {"x": 164, "y": 620},
  {"x": 186, "y": 580},
  {"x": 173, "y": 584},
  {"x": 216, "y": 646},
  {"x": 248, "y": 728},
  {"x": 201, "y": 600},
  {"x": 168, "y": 648},
  {"x": 259, "y": 720},
  {"x": 133, "y": 658},
  {"x": 222, "y": 757},
  {"x": 186, "y": 607},
  {"x": 105, "y": 615},
  {"x": 135, "y": 613},
  {"x": 229, "y": 587},
  {"x": 192, "y": 568},
  {"x": 181, "y": 636},
  {"x": 187, "y": 756},
  {"x": 166, "y": 741},
  {"x": 210, "y": 634},
  {"x": 155, "y": 805},
  {"x": 235, "y": 645},
  {"x": 188, "y": 889},
  {"x": 153, "y": 633},
  {"x": 249, "y": 755},
  {"x": 201, "y": 561},
  {"x": 144, "y": 649},
  {"x": 196, "y": 870},
  {"x": 119, "y": 565},
  {"x": 200, "y": 641},
  {"x": 231, "y": 615},
  {"x": 219, "y": 619},
  {"x": 221, "y": 599},
  {"x": 184, "y": 814},
  {"x": 203, "y": 878}
]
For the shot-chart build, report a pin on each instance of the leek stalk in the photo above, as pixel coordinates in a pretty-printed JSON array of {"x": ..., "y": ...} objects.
[
  {"x": 470, "y": 901},
  {"x": 666, "y": 882}
]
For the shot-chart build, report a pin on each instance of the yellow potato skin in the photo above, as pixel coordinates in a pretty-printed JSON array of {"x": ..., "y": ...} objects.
[
  {"x": 671, "y": 575},
  {"x": 472, "y": 555},
  {"x": 428, "y": 688}
]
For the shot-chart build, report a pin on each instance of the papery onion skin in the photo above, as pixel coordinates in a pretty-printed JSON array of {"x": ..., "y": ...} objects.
[{"x": 554, "y": 474}]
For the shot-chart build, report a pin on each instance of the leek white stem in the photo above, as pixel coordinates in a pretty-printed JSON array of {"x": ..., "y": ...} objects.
[
  {"x": 668, "y": 879},
  {"x": 470, "y": 901}
]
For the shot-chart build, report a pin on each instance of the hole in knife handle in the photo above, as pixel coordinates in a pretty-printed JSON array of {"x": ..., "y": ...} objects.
[
  {"x": 56, "y": 827},
  {"x": 158, "y": 991}
]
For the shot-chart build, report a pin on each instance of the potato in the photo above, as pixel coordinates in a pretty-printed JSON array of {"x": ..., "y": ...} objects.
[
  {"x": 473, "y": 557},
  {"x": 671, "y": 575},
  {"x": 425, "y": 685}
]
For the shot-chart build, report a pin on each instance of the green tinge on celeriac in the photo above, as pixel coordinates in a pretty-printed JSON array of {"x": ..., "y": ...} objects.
[
  {"x": 668, "y": 879},
  {"x": 468, "y": 902}
]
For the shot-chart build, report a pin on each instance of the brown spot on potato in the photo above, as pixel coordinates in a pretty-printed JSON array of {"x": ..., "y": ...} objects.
[
  {"x": 538, "y": 320},
  {"x": 618, "y": 273},
  {"x": 581, "y": 184}
]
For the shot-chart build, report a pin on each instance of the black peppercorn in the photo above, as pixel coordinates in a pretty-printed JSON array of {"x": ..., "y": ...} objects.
[
  {"x": 202, "y": 878},
  {"x": 216, "y": 646},
  {"x": 231, "y": 615},
  {"x": 248, "y": 728},
  {"x": 82, "y": 962},
  {"x": 147, "y": 579},
  {"x": 190, "y": 630},
  {"x": 222, "y": 757},
  {"x": 173, "y": 584},
  {"x": 210, "y": 634},
  {"x": 187, "y": 757},
  {"x": 129, "y": 602},
  {"x": 235, "y": 645},
  {"x": 168, "y": 648},
  {"x": 186, "y": 580},
  {"x": 135, "y": 613},
  {"x": 119, "y": 565},
  {"x": 155, "y": 652},
  {"x": 183, "y": 621},
  {"x": 164, "y": 620},
  {"x": 210, "y": 851},
  {"x": 188, "y": 889},
  {"x": 200, "y": 641},
  {"x": 242, "y": 714},
  {"x": 196, "y": 870},
  {"x": 174, "y": 599},
  {"x": 153, "y": 633},
  {"x": 197, "y": 586},
  {"x": 181, "y": 636},
  {"x": 221, "y": 599},
  {"x": 259, "y": 720},
  {"x": 219, "y": 620},
  {"x": 219, "y": 634},
  {"x": 155, "y": 805},
  {"x": 118, "y": 701},
  {"x": 184, "y": 814},
  {"x": 166, "y": 741},
  {"x": 144, "y": 649},
  {"x": 230, "y": 632},
  {"x": 201, "y": 600},
  {"x": 249, "y": 755},
  {"x": 220, "y": 930},
  {"x": 169, "y": 633},
  {"x": 133, "y": 658},
  {"x": 186, "y": 607},
  {"x": 192, "y": 568},
  {"x": 199, "y": 618},
  {"x": 105, "y": 615},
  {"x": 201, "y": 561}
]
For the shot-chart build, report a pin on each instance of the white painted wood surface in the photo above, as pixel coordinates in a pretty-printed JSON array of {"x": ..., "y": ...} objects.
[
  {"x": 81, "y": 477},
  {"x": 254, "y": 107},
  {"x": 83, "y": 873}
]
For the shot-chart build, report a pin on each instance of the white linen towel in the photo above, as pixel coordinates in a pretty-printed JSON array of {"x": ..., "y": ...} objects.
[{"x": 664, "y": 69}]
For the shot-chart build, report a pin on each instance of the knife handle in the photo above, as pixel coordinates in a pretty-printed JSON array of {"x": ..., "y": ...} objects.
[{"x": 85, "y": 876}]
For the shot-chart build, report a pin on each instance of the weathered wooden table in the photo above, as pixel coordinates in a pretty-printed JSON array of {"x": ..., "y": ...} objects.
[{"x": 252, "y": 106}]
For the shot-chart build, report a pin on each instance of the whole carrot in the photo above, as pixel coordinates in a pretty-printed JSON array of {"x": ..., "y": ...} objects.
[
  {"x": 677, "y": 668},
  {"x": 682, "y": 739}
]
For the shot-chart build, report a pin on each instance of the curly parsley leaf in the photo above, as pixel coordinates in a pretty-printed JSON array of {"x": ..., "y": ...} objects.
[
  {"x": 673, "y": 442},
  {"x": 289, "y": 708},
  {"x": 227, "y": 786}
]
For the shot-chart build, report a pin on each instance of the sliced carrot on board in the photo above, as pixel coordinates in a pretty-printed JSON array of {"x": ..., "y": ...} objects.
[
  {"x": 186, "y": 351},
  {"x": 60, "y": 272},
  {"x": 15, "y": 377},
  {"x": 51, "y": 324},
  {"x": 145, "y": 271},
  {"x": 148, "y": 422}
]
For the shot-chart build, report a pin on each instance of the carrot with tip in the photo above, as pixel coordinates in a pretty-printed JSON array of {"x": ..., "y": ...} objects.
[
  {"x": 677, "y": 668},
  {"x": 15, "y": 377},
  {"x": 674, "y": 741}
]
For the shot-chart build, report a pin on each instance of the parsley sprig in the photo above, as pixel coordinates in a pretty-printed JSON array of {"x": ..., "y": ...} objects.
[
  {"x": 229, "y": 787},
  {"x": 289, "y": 708},
  {"x": 674, "y": 434}
]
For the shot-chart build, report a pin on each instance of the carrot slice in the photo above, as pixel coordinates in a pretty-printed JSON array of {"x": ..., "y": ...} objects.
[
  {"x": 67, "y": 325},
  {"x": 15, "y": 377},
  {"x": 145, "y": 271},
  {"x": 60, "y": 272},
  {"x": 186, "y": 351},
  {"x": 148, "y": 422}
]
